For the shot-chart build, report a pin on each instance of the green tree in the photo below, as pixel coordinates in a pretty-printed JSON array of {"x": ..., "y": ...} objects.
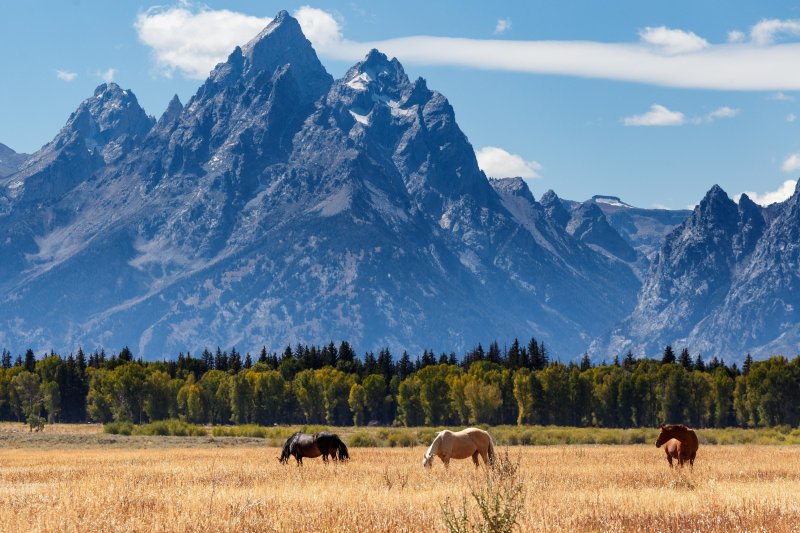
[
  {"x": 358, "y": 403},
  {"x": 159, "y": 395},
  {"x": 28, "y": 394},
  {"x": 409, "y": 402},
  {"x": 241, "y": 394},
  {"x": 483, "y": 400},
  {"x": 375, "y": 390}
]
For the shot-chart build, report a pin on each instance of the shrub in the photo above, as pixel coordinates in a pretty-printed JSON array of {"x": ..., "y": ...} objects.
[{"x": 362, "y": 439}]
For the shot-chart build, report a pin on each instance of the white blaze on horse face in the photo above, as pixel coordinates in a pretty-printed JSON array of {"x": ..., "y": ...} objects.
[{"x": 432, "y": 449}]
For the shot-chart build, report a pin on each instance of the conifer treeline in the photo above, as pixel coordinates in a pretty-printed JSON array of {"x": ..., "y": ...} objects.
[{"x": 331, "y": 385}]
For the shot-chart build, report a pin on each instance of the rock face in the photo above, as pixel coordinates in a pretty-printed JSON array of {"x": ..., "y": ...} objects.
[
  {"x": 279, "y": 205},
  {"x": 726, "y": 282},
  {"x": 10, "y": 161}
]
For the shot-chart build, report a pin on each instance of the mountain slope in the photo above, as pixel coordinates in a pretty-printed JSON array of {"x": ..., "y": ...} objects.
[
  {"x": 725, "y": 283},
  {"x": 278, "y": 206}
]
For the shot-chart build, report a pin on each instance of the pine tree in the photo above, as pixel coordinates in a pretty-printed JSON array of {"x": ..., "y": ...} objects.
[
  {"x": 262, "y": 357},
  {"x": 125, "y": 355},
  {"x": 630, "y": 361},
  {"x": 748, "y": 364},
  {"x": 248, "y": 361},
  {"x": 494, "y": 355},
  {"x": 616, "y": 360},
  {"x": 30, "y": 361},
  {"x": 6, "y": 360},
  {"x": 669, "y": 356},
  {"x": 586, "y": 363},
  {"x": 513, "y": 358},
  {"x": 405, "y": 367},
  {"x": 234, "y": 361},
  {"x": 685, "y": 360},
  {"x": 699, "y": 364}
]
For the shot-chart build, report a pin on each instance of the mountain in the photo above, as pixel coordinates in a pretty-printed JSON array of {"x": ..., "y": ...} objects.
[
  {"x": 10, "y": 161},
  {"x": 280, "y": 205},
  {"x": 643, "y": 229},
  {"x": 724, "y": 283},
  {"x": 589, "y": 224}
]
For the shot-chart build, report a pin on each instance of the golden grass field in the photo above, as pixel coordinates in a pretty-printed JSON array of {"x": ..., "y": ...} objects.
[{"x": 156, "y": 484}]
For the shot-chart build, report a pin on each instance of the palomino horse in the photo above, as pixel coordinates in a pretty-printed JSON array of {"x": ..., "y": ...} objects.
[
  {"x": 680, "y": 442},
  {"x": 313, "y": 445},
  {"x": 470, "y": 442}
]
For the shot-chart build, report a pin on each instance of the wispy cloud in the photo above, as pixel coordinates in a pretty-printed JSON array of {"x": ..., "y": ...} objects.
[
  {"x": 791, "y": 117},
  {"x": 721, "y": 112},
  {"x": 499, "y": 163},
  {"x": 766, "y": 31},
  {"x": 192, "y": 40},
  {"x": 107, "y": 75},
  {"x": 736, "y": 36},
  {"x": 791, "y": 163},
  {"x": 658, "y": 115},
  {"x": 781, "y": 194},
  {"x": 781, "y": 97},
  {"x": 502, "y": 26},
  {"x": 672, "y": 41},
  {"x": 65, "y": 75}
]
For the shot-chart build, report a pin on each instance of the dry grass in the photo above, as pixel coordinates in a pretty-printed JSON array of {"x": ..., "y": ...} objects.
[{"x": 568, "y": 488}]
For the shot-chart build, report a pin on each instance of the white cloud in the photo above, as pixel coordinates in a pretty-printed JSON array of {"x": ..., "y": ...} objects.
[
  {"x": 791, "y": 117},
  {"x": 66, "y": 75},
  {"x": 672, "y": 41},
  {"x": 499, "y": 163},
  {"x": 319, "y": 26},
  {"x": 722, "y": 112},
  {"x": 736, "y": 36},
  {"x": 781, "y": 97},
  {"x": 781, "y": 194},
  {"x": 657, "y": 116},
  {"x": 791, "y": 163},
  {"x": 502, "y": 26},
  {"x": 764, "y": 32},
  {"x": 107, "y": 75},
  {"x": 191, "y": 41}
]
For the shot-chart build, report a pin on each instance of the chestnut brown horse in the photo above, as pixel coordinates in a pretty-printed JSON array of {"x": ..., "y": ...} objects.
[{"x": 680, "y": 442}]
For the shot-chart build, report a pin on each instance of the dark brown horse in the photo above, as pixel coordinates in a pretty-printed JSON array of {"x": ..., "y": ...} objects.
[
  {"x": 680, "y": 442},
  {"x": 313, "y": 445}
]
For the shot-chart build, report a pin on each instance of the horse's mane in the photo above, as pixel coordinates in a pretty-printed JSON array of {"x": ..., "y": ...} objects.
[{"x": 679, "y": 427}]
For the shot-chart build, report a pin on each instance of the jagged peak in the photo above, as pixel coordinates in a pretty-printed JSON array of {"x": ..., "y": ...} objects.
[
  {"x": 280, "y": 44},
  {"x": 377, "y": 73},
  {"x": 549, "y": 196},
  {"x": 514, "y": 186},
  {"x": 173, "y": 111},
  {"x": 283, "y": 22}
]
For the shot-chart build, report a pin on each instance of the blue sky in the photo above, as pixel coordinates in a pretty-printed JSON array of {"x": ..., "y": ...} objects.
[{"x": 653, "y": 103}]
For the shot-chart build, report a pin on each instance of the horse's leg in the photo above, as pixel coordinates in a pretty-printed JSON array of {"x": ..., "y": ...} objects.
[
  {"x": 485, "y": 456},
  {"x": 475, "y": 459},
  {"x": 669, "y": 459}
]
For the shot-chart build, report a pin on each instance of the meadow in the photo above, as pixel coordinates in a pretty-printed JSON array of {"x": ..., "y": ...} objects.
[{"x": 84, "y": 480}]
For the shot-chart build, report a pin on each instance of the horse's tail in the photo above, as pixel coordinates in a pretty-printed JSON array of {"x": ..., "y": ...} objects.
[
  {"x": 490, "y": 451},
  {"x": 344, "y": 455}
]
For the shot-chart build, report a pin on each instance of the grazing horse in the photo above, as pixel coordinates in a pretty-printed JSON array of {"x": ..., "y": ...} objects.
[
  {"x": 680, "y": 442},
  {"x": 313, "y": 445},
  {"x": 470, "y": 442}
]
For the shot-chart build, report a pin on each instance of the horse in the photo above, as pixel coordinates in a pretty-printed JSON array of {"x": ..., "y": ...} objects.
[
  {"x": 680, "y": 442},
  {"x": 470, "y": 442},
  {"x": 324, "y": 443}
]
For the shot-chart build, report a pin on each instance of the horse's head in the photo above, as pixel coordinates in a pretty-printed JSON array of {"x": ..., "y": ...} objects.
[
  {"x": 427, "y": 460},
  {"x": 665, "y": 435}
]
